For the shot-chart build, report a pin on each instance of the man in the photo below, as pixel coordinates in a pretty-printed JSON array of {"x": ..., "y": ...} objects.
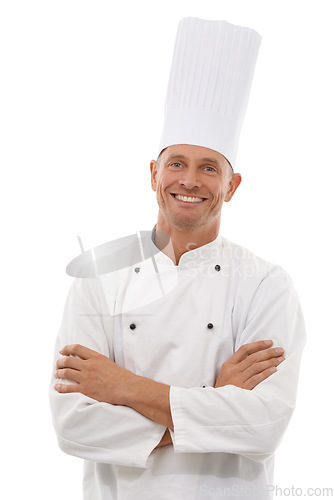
[{"x": 172, "y": 382}]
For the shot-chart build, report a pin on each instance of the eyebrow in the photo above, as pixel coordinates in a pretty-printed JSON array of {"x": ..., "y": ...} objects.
[
  {"x": 182, "y": 157},
  {"x": 173, "y": 157},
  {"x": 211, "y": 160}
]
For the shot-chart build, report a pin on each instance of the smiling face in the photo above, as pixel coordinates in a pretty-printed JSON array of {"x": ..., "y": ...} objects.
[{"x": 191, "y": 183}]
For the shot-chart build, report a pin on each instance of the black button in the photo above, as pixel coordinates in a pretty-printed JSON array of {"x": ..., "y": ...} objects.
[
  {"x": 210, "y": 326},
  {"x": 133, "y": 326},
  {"x": 217, "y": 267},
  {"x": 137, "y": 269},
  {"x": 203, "y": 386}
]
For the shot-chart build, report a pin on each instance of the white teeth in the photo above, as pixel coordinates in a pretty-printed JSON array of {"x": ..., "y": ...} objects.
[{"x": 189, "y": 199}]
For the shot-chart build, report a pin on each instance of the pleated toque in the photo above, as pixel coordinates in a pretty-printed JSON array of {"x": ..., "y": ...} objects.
[{"x": 209, "y": 85}]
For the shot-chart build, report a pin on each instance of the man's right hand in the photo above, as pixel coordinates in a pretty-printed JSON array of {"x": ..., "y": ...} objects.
[{"x": 250, "y": 365}]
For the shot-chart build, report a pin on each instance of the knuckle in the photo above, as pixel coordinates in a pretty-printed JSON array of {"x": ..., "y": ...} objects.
[
  {"x": 244, "y": 349},
  {"x": 253, "y": 357},
  {"x": 257, "y": 379},
  {"x": 253, "y": 369},
  {"x": 269, "y": 363},
  {"x": 269, "y": 354},
  {"x": 66, "y": 362},
  {"x": 63, "y": 373},
  {"x": 228, "y": 372},
  {"x": 62, "y": 362},
  {"x": 248, "y": 385},
  {"x": 75, "y": 348},
  {"x": 90, "y": 364}
]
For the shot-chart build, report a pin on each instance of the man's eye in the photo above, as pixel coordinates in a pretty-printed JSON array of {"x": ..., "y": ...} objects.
[
  {"x": 176, "y": 164},
  {"x": 210, "y": 169}
]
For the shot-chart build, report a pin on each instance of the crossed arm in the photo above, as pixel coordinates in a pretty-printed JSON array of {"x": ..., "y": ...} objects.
[{"x": 99, "y": 378}]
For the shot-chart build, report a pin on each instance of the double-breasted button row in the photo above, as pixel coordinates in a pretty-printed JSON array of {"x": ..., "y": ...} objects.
[
  {"x": 133, "y": 326},
  {"x": 217, "y": 268}
]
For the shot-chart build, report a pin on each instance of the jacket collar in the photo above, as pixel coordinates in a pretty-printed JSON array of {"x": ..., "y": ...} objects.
[{"x": 203, "y": 255}]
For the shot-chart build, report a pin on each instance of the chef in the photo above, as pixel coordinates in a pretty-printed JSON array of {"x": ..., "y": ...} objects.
[{"x": 176, "y": 376}]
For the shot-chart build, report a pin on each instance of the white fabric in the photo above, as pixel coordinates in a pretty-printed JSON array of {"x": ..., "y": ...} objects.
[
  {"x": 209, "y": 85},
  {"x": 223, "y": 439}
]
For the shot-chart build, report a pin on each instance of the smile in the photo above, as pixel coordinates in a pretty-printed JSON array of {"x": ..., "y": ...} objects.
[{"x": 188, "y": 199}]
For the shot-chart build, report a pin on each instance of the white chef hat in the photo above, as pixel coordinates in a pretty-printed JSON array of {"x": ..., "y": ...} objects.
[{"x": 209, "y": 85}]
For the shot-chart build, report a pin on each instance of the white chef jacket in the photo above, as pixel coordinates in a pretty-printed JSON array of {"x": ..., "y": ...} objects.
[{"x": 177, "y": 325}]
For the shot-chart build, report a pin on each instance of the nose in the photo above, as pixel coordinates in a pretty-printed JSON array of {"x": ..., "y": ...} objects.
[{"x": 190, "y": 179}]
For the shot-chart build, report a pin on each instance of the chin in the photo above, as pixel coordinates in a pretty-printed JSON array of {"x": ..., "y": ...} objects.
[{"x": 186, "y": 224}]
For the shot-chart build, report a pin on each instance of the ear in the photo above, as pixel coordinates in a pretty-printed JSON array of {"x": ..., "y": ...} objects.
[
  {"x": 154, "y": 171},
  {"x": 233, "y": 186}
]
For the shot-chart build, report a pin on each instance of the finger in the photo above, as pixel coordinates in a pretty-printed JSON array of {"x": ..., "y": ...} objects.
[
  {"x": 261, "y": 356},
  {"x": 67, "y": 388},
  {"x": 70, "y": 362},
  {"x": 78, "y": 350},
  {"x": 69, "y": 374},
  {"x": 259, "y": 377},
  {"x": 261, "y": 366},
  {"x": 247, "y": 349}
]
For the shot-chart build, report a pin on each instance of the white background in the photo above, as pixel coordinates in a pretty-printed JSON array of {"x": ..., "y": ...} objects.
[{"x": 82, "y": 93}]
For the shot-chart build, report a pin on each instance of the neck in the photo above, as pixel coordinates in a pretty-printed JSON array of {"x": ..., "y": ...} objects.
[{"x": 183, "y": 241}]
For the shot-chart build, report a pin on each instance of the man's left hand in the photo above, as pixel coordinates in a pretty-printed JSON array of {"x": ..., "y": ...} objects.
[{"x": 96, "y": 376}]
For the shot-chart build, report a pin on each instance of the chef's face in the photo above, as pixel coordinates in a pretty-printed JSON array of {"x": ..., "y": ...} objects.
[{"x": 191, "y": 183}]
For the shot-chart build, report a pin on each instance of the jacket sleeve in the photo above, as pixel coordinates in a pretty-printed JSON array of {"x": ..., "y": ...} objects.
[
  {"x": 247, "y": 422},
  {"x": 84, "y": 427}
]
